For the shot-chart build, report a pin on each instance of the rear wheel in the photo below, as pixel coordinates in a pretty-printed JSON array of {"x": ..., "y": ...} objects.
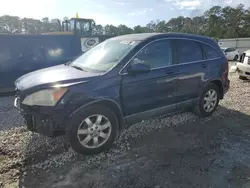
[
  {"x": 208, "y": 101},
  {"x": 92, "y": 130}
]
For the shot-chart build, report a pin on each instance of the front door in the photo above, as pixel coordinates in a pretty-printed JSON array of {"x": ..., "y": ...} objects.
[{"x": 157, "y": 88}]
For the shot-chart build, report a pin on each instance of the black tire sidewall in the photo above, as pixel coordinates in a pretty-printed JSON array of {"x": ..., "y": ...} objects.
[
  {"x": 203, "y": 113},
  {"x": 73, "y": 124}
]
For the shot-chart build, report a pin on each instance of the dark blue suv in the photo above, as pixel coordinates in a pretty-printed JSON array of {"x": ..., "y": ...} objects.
[{"x": 123, "y": 80}]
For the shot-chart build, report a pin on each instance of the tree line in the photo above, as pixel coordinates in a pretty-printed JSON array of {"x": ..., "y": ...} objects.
[{"x": 217, "y": 22}]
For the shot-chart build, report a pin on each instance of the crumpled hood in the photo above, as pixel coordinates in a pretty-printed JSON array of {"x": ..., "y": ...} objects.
[{"x": 56, "y": 74}]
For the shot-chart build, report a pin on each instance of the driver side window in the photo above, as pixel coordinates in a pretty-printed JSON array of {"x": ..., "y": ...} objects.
[{"x": 156, "y": 54}]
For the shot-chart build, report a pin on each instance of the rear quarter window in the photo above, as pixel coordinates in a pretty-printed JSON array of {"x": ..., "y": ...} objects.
[{"x": 210, "y": 52}]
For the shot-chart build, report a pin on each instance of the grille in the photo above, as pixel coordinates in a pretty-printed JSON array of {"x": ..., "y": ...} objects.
[{"x": 248, "y": 60}]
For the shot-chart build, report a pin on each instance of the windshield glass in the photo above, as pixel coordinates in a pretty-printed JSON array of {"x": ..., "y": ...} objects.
[{"x": 104, "y": 56}]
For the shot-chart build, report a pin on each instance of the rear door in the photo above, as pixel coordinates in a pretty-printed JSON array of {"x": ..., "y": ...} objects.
[
  {"x": 154, "y": 89},
  {"x": 215, "y": 62},
  {"x": 193, "y": 70}
]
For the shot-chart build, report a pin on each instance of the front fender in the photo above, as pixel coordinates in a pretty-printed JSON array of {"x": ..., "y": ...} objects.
[
  {"x": 110, "y": 103},
  {"x": 96, "y": 101}
]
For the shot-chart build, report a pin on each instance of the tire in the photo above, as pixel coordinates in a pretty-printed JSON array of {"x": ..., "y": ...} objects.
[
  {"x": 243, "y": 78},
  {"x": 200, "y": 109},
  {"x": 79, "y": 130},
  {"x": 236, "y": 57}
]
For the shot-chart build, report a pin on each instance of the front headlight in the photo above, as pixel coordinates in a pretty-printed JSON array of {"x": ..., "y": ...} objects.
[{"x": 46, "y": 97}]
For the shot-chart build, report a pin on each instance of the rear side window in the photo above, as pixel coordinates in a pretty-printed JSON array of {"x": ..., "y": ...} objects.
[
  {"x": 210, "y": 53},
  {"x": 188, "y": 51}
]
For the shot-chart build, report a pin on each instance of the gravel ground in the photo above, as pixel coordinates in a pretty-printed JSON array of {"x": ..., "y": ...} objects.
[
  {"x": 9, "y": 116},
  {"x": 31, "y": 160}
]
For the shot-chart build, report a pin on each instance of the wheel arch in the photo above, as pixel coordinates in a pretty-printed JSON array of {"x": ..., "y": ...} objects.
[
  {"x": 110, "y": 103},
  {"x": 218, "y": 83}
]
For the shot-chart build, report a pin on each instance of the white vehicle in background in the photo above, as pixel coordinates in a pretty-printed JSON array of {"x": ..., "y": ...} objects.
[
  {"x": 231, "y": 53},
  {"x": 243, "y": 67}
]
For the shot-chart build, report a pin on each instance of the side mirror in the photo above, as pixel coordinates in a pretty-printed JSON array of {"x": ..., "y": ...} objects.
[{"x": 138, "y": 68}]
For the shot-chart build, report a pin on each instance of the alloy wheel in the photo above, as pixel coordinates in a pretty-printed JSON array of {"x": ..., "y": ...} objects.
[
  {"x": 94, "y": 131},
  {"x": 210, "y": 100}
]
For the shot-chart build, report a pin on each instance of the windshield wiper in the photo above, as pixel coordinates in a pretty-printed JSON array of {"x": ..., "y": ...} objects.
[{"x": 78, "y": 68}]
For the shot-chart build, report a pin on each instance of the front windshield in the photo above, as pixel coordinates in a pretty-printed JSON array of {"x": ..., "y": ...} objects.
[{"x": 104, "y": 56}]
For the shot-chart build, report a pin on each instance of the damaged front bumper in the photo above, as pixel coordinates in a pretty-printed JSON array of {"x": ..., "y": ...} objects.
[
  {"x": 37, "y": 120},
  {"x": 40, "y": 124}
]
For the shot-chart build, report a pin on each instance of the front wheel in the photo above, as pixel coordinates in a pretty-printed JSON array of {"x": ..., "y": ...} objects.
[
  {"x": 92, "y": 130},
  {"x": 208, "y": 101}
]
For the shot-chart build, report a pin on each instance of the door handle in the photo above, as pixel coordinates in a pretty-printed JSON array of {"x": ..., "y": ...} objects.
[
  {"x": 169, "y": 72},
  {"x": 204, "y": 65}
]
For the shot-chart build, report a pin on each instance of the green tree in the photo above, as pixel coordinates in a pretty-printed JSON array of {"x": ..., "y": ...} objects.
[
  {"x": 55, "y": 25},
  {"x": 99, "y": 30},
  {"x": 214, "y": 22},
  {"x": 111, "y": 30},
  {"x": 123, "y": 29},
  {"x": 12, "y": 23},
  {"x": 141, "y": 29},
  {"x": 162, "y": 27}
]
